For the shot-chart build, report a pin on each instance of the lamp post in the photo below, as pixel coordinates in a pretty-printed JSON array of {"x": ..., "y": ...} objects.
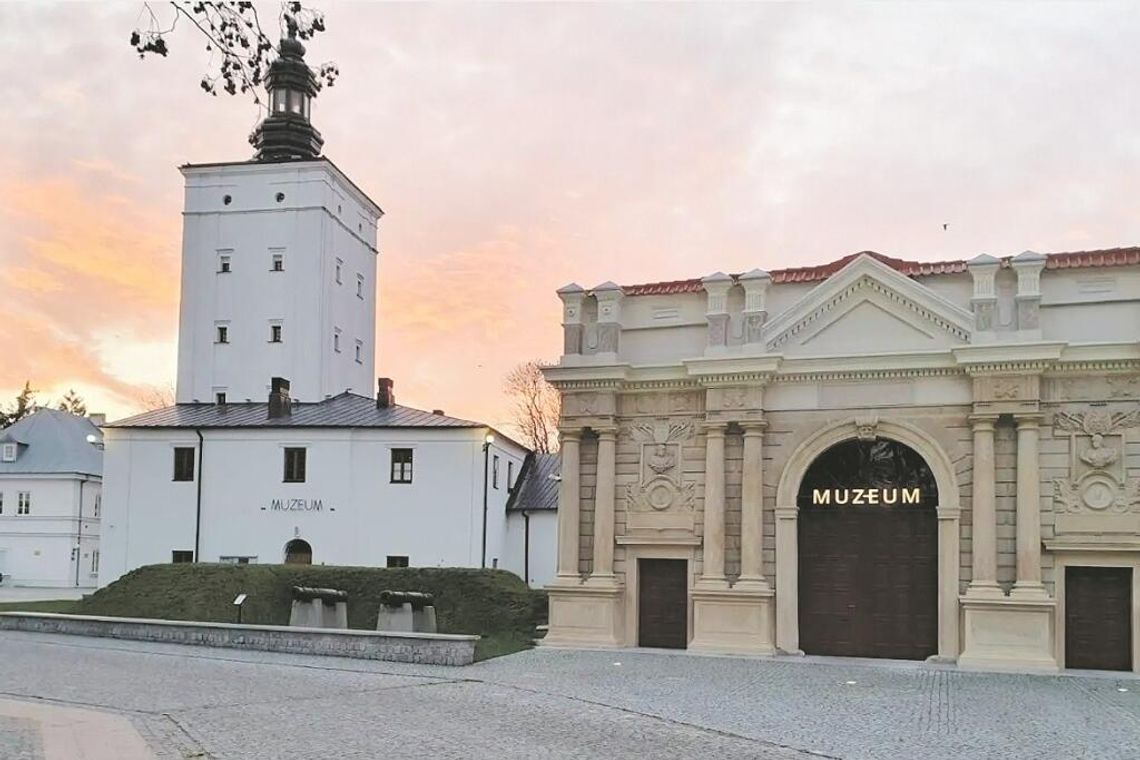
[{"x": 487, "y": 441}]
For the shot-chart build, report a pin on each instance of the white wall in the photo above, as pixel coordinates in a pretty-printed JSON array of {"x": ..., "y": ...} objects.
[
  {"x": 434, "y": 521},
  {"x": 36, "y": 549},
  {"x": 320, "y": 220},
  {"x": 543, "y": 546}
]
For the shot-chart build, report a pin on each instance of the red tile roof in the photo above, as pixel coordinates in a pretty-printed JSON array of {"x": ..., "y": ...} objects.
[{"x": 1068, "y": 260}]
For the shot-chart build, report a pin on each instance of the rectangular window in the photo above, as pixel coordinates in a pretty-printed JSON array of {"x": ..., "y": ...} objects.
[
  {"x": 95, "y": 561},
  {"x": 183, "y": 463},
  {"x": 294, "y": 465},
  {"x": 510, "y": 474},
  {"x": 336, "y": 340},
  {"x": 360, "y": 286},
  {"x": 339, "y": 265},
  {"x": 220, "y": 398},
  {"x": 275, "y": 333},
  {"x": 495, "y": 471},
  {"x": 223, "y": 263},
  {"x": 98, "y": 504},
  {"x": 24, "y": 503},
  {"x": 359, "y": 352},
  {"x": 9, "y": 452},
  {"x": 401, "y": 465},
  {"x": 395, "y": 560},
  {"x": 181, "y": 556},
  {"x": 278, "y": 264},
  {"x": 223, "y": 334}
]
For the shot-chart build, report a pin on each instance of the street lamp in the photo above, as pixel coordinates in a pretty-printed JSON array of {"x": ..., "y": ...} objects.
[{"x": 488, "y": 439}]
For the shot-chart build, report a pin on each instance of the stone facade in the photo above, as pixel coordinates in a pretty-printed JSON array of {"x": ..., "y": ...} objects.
[{"x": 1016, "y": 380}]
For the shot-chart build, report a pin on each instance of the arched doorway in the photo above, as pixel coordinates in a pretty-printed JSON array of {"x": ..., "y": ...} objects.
[
  {"x": 298, "y": 552},
  {"x": 868, "y": 552}
]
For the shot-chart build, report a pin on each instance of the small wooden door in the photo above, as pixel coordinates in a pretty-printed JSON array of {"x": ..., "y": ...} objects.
[
  {"x": 1098, "y": 618},
  {"x": 662, "y": 603}
]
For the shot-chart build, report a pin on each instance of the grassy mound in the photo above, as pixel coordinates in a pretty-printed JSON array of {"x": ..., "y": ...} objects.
[{"x": 494, "y": 604}]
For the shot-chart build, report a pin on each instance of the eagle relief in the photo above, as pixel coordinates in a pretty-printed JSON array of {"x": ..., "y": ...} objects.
[
  {"x": 1097, "y": 479},
  {"x": 659, "y": 486}
]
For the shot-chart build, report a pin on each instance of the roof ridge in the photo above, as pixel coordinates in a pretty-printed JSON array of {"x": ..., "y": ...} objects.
[{"x": 1120, "y": 256}]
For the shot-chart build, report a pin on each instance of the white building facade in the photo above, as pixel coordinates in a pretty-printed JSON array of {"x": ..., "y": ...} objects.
[
  {"x": 872, "y": 457},
  {"x": 50, "y": 501},
  {"x": 340, "y": 482}
]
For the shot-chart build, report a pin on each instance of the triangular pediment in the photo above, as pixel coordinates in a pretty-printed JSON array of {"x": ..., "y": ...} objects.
[{"x": 868, "y": 307}]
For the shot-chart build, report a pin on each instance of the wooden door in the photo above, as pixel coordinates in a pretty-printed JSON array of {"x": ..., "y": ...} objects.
[
  {"x": 868, "y": 579},
  {"x": 1098, "y": 618},
  {"x": 662, "y": 603}
]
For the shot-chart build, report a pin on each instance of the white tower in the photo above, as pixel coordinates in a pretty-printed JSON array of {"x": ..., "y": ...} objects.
[{"x": 278, "y": 263}]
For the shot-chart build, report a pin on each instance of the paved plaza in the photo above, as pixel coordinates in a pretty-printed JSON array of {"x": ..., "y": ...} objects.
[{"x": 190, "y": 702}]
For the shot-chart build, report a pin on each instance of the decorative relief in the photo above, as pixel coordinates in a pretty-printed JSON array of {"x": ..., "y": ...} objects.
[
  {"x": 587, "y": 404},
  {"x": 1094, "y": 387},
  {"x": 867, "y": 428},
  {"x": 1005, "y": 388},
  {"x": 660, "y": 487},
  {"x": 1097, "y": 481},
  {"x": 656, "y": 404}
]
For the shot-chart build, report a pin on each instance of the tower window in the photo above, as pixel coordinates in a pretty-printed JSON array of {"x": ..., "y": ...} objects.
[
  {"x": 359, "y": 352},
  {"x": 339, "y": 264},
  {"x": 360, "y": 286},
  {"x": 336, "y": 340},
  {"x": 275, "y": 333},
  {"x": 220, "y": 398},
  {"x": 227, "y": 200},
  {"x": 98, "y": 504},
  {"x": 495, "y": 471},
  {"x": 278, "y": 263},
  {"x": 223, "y": 263},
  {"x": 222, "y": 334},
  {"x": 294, "y": 465},
  {"x": 280, "y": 197}
]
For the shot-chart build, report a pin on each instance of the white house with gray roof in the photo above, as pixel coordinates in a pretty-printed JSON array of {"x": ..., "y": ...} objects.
[
  {"x": 51, "y": 472},
  {"x": 351, "y": 480},
  {"x": 532, "y": 520}
]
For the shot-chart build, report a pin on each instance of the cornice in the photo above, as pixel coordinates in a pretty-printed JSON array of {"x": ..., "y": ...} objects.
[
  {"x": 1008, "y": 358},
  {"x": 868, "y": 374}
]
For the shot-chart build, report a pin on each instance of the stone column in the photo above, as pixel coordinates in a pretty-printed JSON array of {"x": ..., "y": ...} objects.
[
  {"x": 713, "y": 573},
  {"x": 603, "y": 570},
  {"x": 569, "y": 496},
  {"x": 752, "y": 508},
  {"x": 984, "y": 581},
  {"x": 1028, "y": 509},
  {"x": 787, "y": 580}
]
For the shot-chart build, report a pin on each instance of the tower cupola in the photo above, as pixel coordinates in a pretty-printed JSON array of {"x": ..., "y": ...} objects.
[{"x": 286, "y": 134}]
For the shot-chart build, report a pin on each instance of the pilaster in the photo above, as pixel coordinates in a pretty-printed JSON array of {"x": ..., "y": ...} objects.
[
  {"x": 983, "y": 582},
  {"x": 603, "y": 567},
  {"x": 752, "y": 509},
  {"x": 717, "y": 286},
  {"x": 569, "y": 507},
  {"x": 712, "y": 574},
  {"x": 755, "y": 284},
  {"x": 1028, "y": 583}
]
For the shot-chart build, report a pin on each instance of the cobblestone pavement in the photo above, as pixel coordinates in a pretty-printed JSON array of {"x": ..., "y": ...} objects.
[{"x": 210, "y": 703}]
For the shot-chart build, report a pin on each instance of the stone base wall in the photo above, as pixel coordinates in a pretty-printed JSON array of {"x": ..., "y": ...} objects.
[{"x": 422, "y": 648}]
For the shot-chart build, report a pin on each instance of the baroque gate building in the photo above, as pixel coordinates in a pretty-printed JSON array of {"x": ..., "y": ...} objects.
[{"x": 872, "y": 457}]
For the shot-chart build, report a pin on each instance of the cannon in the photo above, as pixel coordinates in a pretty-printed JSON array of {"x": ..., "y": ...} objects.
[
  {"x": 319, "y": 608},
  {"x": 407, "y": 611}
]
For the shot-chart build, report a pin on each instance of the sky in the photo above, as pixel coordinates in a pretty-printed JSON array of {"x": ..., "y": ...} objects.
[{"x": 518, "y": 147}]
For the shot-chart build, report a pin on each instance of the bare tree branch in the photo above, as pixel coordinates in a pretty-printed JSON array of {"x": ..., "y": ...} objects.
[{"x": 537, "y": 406}]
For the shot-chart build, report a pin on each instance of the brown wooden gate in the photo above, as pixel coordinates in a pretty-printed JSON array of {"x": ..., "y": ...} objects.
[
  {"x": 1098, "y": 618},
  {"x": 868, "y": 580},
  {"x": 662, "y": 603}
]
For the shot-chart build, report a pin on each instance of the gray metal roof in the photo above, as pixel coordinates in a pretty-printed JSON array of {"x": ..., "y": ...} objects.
[
  {"x": 53, "y": 442},
  {"x": 537, "y": 489},
  {"x": 344, "y": 410}
]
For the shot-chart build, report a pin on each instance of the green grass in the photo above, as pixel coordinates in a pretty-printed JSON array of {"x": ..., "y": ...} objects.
[
  {"x": 57, "y": 605},
  {"x": 493, "y": 604}
]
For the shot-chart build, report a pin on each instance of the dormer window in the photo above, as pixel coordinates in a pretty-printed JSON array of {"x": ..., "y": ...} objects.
[{"x": 8, "y": 452}]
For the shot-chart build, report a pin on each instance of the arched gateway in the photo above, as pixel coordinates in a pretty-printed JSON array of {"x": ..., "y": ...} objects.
[
  {"x": 871, "y": 567},
  {"x": 868, "y": 552},
  {"x": 298, "y": 552}
]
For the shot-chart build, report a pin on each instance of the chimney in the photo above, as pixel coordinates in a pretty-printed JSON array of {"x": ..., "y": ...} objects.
[
  {"x": 98, "y": 420},
  {"x": 385, "y": 393},
  {"x": 437, "y": 412},
  {"x": 279, "y": 403}
]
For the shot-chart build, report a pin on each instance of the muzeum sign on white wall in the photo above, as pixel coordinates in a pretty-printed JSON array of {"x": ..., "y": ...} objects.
[{"x": 694, "y": 412}]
